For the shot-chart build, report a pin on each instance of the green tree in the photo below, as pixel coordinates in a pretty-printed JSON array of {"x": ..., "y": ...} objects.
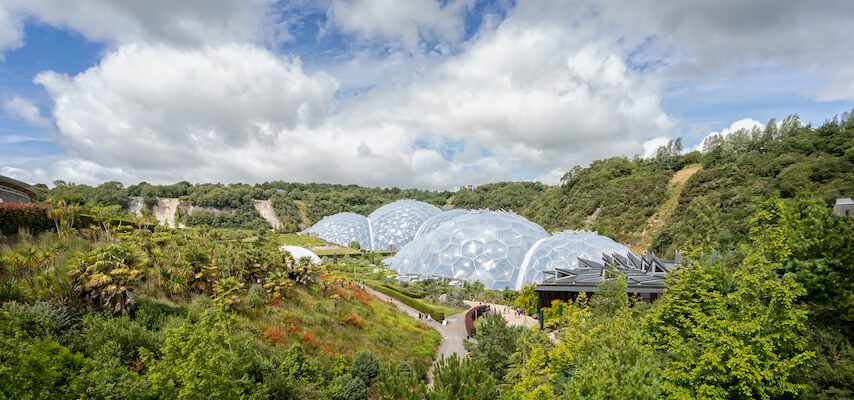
[
  {"x": 202, "y": 360},
  {"x": 494, "y": 343},
  {"x": 107, "y": 277},
  {"x": 528, "y": 299},
  {"x": 366, "y": 366},
  {"x": 468, "y": 379},
  {"x": 744, "y": 344},
  {"x": 41, "y": 369}
]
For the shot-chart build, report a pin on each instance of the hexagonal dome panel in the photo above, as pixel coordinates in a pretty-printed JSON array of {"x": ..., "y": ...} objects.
[
  {"x": 485, "y": 246},
  {"x": 562, "y": 250},
  {"x": 343, "y": 228},
  {"x": 433, "y": 222},
  {"x": 395, "y": 224}
]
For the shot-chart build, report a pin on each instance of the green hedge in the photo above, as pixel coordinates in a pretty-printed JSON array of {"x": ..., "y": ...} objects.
[
  {"x": 414, "y": 293},
  {"x": 437, "y": 314},
  {"x": 14, "y": 216}
]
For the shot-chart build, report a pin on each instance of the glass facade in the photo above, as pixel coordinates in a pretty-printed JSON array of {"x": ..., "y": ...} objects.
[
  {"x": 395, "y": 224},
  {"x": 479, "y": 246},
  {"x": 343, "y": 228},
  {"x": 562, "y": 250}
]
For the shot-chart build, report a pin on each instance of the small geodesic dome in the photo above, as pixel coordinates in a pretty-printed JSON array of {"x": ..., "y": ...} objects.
[
  {"x": 480, "y": 246},
  {"x": 343, "y": 228},
  {"x": 298, "y": 253},
  {"x": 395, "y": 224},
  {"x": 562, "y": 250}
]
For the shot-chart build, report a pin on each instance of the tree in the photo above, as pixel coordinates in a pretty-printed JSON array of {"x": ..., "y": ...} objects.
[
  {"x": 400, "y": 384},
  {"x": 528, "y": 299},
  {"x": 823, "y": 261},
  {"x": 468, "y": 379},
  {"x": 495, "y": 343},
  {"x": 106, "y": 277},
  {"x": 366, "y": 366},
  {"x": 746, "y": 343},
  {"x": 201, "y": 359},
  {"x": 612, "y": 361}
]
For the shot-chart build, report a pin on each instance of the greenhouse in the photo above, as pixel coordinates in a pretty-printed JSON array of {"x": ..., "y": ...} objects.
[
  {"x": 395, "y": 224},
  {"x": 500, "y": 249},
  {"x": 299, "y": 253},
  {"x": 343, "y": 228}
]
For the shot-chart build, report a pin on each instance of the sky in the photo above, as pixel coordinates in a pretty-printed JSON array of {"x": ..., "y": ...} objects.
[{"x": 417, "y": 93}]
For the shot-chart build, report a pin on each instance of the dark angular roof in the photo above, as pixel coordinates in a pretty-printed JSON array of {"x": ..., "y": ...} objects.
[{"x": 643, "y": 274}]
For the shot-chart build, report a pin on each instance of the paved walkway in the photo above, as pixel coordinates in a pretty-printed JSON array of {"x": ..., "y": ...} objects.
[
  {"x": 454, "y": 332},
  {"x": 508, "y": 313}
]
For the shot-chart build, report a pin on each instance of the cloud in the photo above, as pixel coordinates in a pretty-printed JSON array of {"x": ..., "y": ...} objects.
[
  {"x": 405, "y": 25},
  {"x": 183, "y": 23},
  {"x": 11, "y": 32},
  {"x": 26, "y": 110},
  {"x": 650, "y": 147},
  {"x": 701, "y": 39},
  {"x": 746, "y": 124},
  {"x": 532, "y": 93}
]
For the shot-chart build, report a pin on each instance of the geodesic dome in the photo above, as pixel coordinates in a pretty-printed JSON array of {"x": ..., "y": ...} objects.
[
  {"x": 562, "y": 250},
  {"x": 394, "y": 225},
  {"x": 343, "y": 228},
  {"x": 433, "y": 222},
  {"x": 481, "y": 246},
  {"x": 298, "y": 252}
]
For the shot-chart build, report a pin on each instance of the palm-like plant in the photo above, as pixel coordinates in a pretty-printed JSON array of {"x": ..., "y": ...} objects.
[
  {"x": 278, "y": 285},
  {"x": 202, "y": 273},
  {"x": 228, "y": 292},
  {"x": 303, "y": 271},
  {"x": 106, "y": 277}
]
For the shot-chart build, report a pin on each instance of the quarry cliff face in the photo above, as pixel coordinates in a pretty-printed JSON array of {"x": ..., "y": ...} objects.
[{"x": 265, "y": 208}]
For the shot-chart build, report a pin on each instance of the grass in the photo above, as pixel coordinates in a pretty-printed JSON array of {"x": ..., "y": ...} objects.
[{"x": 312, "y": 318}]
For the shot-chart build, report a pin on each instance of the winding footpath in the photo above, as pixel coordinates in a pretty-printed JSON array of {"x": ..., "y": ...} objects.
[{"x": 454, "y": 332}]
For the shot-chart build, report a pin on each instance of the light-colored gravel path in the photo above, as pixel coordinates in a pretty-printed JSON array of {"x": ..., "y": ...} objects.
[{"x": 454, "y": 330}]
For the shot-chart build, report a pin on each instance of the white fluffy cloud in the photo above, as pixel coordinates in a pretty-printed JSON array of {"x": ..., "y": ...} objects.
[
  {"x": 26, "y": 110},
  {"x": 532, "y": 94},
  {"x": 11, "y": 32}
]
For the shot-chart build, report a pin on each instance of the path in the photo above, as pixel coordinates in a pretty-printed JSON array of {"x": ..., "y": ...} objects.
[
  {"x": 510, "y": 315},
  {"x": 454, "y": 333},
  {"x": 655, "y": 223},
  {"x": 302, "y": 216}
]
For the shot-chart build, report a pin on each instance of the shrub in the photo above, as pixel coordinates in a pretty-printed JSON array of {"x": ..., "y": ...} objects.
[
  {"x": 33, "y": 217},
  {"x": 118, "y": 338},
  {"x": 366, "y": 366},
  {"x": 40, "y": 319},
  {"x": 348, "y": 387},
  {"x": 41, "y": 369}
]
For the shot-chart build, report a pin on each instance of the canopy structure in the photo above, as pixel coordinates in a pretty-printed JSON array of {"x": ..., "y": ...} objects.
[{"x": 300, "y": 252}]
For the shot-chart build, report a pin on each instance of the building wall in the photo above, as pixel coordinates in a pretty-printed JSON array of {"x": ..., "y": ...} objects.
[
  {"x": 844, "y": 210},
  {"x": 9, "y": 195}
]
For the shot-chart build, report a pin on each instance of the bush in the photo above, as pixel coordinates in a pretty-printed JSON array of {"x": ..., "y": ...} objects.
[
  {"x": 37, "y": 320},
  {"x": 118, "y": 339},
  {"x": 33, "y": 217},
  {"x": 348, "y": 387},
  {"x": 366, "y": 366},
  {"x": 41, "y": 369}
]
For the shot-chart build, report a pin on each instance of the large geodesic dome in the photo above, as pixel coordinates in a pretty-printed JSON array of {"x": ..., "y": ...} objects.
[
  {"x": 394, "y": 225},
  {"x": 562, "y": 250},
  {"x": 343, "y": 228},
  {"x": 433, "y": 222},
  {"x": 480, "y": 246}
]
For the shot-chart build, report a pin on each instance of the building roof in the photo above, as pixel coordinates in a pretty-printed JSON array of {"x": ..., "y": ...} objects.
[
  {"x": 18, "y": 185},
  {"x": 643, "y": 274},
  {"x": 844, "y": 201}
]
